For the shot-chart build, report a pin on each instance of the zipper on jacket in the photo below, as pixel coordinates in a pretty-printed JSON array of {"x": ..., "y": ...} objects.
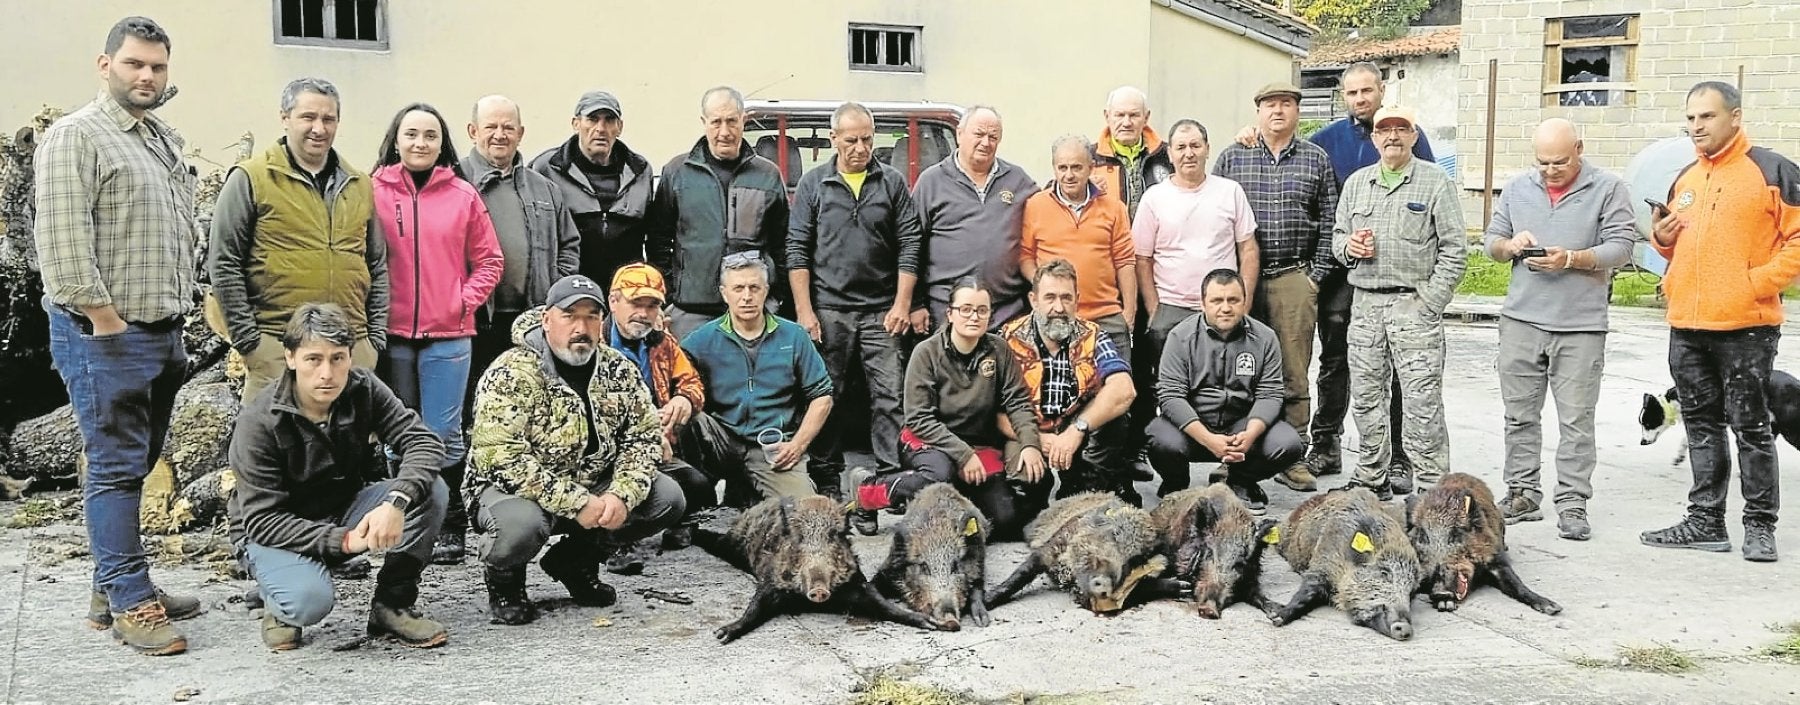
[{"x": 415, "y": 200}]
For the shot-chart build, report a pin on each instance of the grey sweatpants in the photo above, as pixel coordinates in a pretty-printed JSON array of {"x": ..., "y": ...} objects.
[{"x": 1570, "y": 365}]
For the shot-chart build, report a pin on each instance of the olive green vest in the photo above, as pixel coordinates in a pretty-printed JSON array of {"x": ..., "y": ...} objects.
[{"x": 306, "y": 251}]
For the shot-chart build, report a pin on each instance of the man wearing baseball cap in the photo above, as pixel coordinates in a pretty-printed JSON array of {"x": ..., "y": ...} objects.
[
  {"x": 565, "y": 441},
  {"x": 605, "y": 186},
  {"x": 1294, "y": 194},
  {"x": 1400, "y": 231},
  {"x": 636, "y": 302}
]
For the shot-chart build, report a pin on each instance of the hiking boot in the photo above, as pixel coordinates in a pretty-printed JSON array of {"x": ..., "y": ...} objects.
[
  {"x": 507, "y": 603},
  {"x": 278, "y": 636},
  {"x": 1298, "y": 478},
  {"x": 1518, "y": 506},
  {"x": 1400, "y": 478},
  {"x": 1572, "y": 524},
  {"x": 405, "y": 625},
  {"x": 146, "y": 628},
  {"x": 866, "y": 521},
  {"x": 449, "y": 549},
  {"x": 629, "y": 559},
  {"x": 354, "y": 568},
  {"x": 1759, "y": 542},
  {"x": 1325, "y": 457},
  {"x": 1694, "y": 532},
  {"x": 1383, "y": 492},
  {"x": 580, "y": 576},
  {"x": 678, "y": 537},
  {"x": 1254, "y": 498},
  {"x": 178, "y": 607}
]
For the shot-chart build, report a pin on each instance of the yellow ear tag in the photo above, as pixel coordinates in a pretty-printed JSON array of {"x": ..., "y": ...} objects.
[
  {"x": 1113, "y": 512},
  {"x": 1274, "y": 535},
  {"x": 1361, "y": 543},
  {"x": 972, "y": 528},
  {"x": 850, "y": 506}
]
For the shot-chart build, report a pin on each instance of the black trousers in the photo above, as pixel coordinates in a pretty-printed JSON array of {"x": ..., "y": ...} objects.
[
  {"x": 1008, "y": 502},
  {"x": 1723, "y": 380},
  {"x": 1276, "y": 450}
]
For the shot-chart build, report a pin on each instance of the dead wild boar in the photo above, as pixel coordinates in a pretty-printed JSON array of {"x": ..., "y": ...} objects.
[
  {"x": 798, "y": 549},
  {"x": 1212, "y": 541},
  {"x": 1098, "y": 547},
  {"x": 1459, "y": 535},
  {"x": 1350, "y": 549},
  {"x": 938, "y": 562}
]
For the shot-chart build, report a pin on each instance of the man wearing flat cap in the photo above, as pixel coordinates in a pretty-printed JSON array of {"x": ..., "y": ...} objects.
[
  {"x": 1294, "y": 194},
  {"x": 1400, "y": 231},
  {"x": 566, "y": 441},
  {"x": 605, "y": 186}
]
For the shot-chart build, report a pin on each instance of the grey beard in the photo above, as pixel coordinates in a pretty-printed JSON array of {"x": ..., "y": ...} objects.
[
  {"x": 1059, "y": 329},
  {"x": 570, "y": 358}
]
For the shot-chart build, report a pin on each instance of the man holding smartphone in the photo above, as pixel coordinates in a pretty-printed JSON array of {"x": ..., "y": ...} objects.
[{"x": 1564, "y": 225}]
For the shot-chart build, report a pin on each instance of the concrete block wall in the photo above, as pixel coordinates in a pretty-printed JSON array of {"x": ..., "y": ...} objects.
[{"x": 1681, "y": 42}]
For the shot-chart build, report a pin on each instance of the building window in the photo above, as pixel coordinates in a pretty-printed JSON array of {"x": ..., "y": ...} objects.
[
  {"x": 885, "y": 48},
  {"x": 352, "y": 24},
  {"x": 1590, "y": 60}
]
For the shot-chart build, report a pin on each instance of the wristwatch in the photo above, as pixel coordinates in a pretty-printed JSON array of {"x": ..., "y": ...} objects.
[
  {"x": 1081, "y": 425},
  {"x": 398, "y": 499}
]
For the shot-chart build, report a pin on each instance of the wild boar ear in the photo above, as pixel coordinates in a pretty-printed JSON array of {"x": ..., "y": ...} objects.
[
  {"x": 1412, "y": 501},
  {"x": 787, "y": 509},
  {"x": 973, "y": 525}
]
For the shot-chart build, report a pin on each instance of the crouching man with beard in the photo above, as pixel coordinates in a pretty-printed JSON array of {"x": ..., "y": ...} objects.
[
  {"x": 1079, "y": 386},
  {"x": 309, "y": 490},
  {"x": 566, "y": 442}
]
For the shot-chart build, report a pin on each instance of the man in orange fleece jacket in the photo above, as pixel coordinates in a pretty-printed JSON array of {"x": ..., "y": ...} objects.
[{"x": 1731, "y": 233}]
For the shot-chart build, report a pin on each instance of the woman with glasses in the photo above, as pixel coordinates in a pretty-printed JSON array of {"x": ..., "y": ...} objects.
[
  {"x": 968, "y": 421},
  {"x": 443, "y": 261}
]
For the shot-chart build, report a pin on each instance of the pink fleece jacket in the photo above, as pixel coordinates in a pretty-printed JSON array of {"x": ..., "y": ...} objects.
[{"x": 443, "y": 257}]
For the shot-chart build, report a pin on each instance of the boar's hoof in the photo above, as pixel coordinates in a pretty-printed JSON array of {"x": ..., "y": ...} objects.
[
  {"x": 1444, "y": 604},
  {"x": 978, "y": 615},
  {"x": 1208, "y": 610},
  {"x": 1548, "y": 607},
  {"x": 727, "y": 633}
]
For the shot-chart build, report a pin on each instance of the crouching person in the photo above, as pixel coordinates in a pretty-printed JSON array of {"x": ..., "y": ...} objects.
[
  {"x": 310, "y": 490},
  {"x": 565, "y": 442}
]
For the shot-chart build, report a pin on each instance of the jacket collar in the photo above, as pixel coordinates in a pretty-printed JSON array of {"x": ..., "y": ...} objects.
[
  {"x": 698, "y": 155},
  {"x": 122, "y": 118},
  {"x": 1242, "y": 329},
  {"x": 1738, "y": 147},
  {"x": 481, "y": 172},
  {"x": 1153, "y": 142},
  {"x": 649, "y": 342},
  {"x": 396, "y": 175},
  {"x": 1055, "y": 190}
]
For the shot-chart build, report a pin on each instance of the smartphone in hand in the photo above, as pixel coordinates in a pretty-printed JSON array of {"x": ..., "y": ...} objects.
[
  {"x": 1533, "y": 252},
  {"x": 1661, "y": 208}
]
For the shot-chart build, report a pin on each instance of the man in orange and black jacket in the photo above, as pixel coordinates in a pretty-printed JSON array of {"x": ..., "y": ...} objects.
[{"x": 1731, "y": 233}]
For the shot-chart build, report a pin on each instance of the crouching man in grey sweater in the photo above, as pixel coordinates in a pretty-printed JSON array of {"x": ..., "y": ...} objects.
[{"x": 1553, "y": 325}]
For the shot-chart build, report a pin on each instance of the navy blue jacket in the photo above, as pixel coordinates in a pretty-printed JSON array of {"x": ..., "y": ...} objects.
[{"x": 1348, "y": 143}]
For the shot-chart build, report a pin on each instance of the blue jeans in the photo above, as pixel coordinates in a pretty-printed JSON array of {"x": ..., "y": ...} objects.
[
  {"x": 297, "y": 589},
  {"x": 122, "y": 388},
  {"x": 432, "y": 376}
]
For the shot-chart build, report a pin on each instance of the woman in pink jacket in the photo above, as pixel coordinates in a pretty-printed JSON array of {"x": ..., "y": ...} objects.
[{"x": 443, "y": 261}]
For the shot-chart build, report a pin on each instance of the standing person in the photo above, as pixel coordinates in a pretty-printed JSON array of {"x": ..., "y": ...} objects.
[
  {"x": 309, "y": 495},
  {"x": 855, "y": 303},
  {"x": 972, "y": 206},
  {"x": 1553, "y": 324},
  {"x": 297, "y": 225},
  {"x": 718, "y": 199},
  {"x": 1073, "y": 220},
  {"x": 969, "y": 422},
  {"x": 539, "y": 244},
  {"x": 1129, "y": 157},
  {"x": 1294, "y": 194},
  {"x": 1219, "y": 386},
  {"x": 445, "y": 261},
  {"x": 1731, "y": 232},
  {"x": 606, "y": 186},
  {"x": 1400, "y": 230},
  {"x": 115, "y": 236}
]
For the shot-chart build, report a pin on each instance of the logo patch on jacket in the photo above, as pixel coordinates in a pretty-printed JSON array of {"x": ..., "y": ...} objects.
[
  {"x": 1246, "y": 365},
  {"x": 1685, "y": 200},
  {"x": 988, "y": 367},
  {"x": 1006, "y": 197}
]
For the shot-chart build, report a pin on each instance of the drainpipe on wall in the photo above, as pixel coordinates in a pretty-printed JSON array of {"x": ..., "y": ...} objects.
[{"x": 1233, "y": 28}]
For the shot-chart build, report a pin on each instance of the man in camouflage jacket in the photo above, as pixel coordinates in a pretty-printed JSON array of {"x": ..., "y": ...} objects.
[{"x": 565, "y": 441}]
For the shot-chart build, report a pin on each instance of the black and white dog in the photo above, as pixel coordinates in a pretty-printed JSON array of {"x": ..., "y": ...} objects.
[{"x": 1660, "y": 413}]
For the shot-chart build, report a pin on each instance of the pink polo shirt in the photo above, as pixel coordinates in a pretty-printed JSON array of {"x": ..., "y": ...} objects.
[{"x": 1187, "y": 233}]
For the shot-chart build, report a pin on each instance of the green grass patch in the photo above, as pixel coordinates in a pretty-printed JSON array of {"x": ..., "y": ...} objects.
[
  {"x": 888, "y": 689},
  {"x": 1653, "y": 659},
  {"x": 1486, "y": 277},
  {"x": 1786, "y": 651},
  {"x": 43, "y": 512}
]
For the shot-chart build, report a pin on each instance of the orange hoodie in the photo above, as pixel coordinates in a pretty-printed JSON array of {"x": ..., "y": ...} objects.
[{"x": 1741, "y": 244}]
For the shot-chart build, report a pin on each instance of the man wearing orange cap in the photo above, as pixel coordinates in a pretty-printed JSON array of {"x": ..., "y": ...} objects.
[{"x": 1400, "y": 231}]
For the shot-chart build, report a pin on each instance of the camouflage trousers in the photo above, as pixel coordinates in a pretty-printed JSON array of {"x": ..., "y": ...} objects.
[{"x": 1397, "y": 335}]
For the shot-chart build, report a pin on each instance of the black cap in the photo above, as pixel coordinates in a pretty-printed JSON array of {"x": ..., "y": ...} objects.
[{"x": 575, "y": 287}]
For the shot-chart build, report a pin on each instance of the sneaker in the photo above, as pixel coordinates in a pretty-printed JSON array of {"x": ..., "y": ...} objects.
[
  {"x": 866, "y": 521},
  {"x": 1298, "y": 478},
  {"x": 1572, "y": 523},
  {"x": 147, "y": 629},
  {"x": 1759, "y": 542},
  {"x": 1325, "y": 457},
  {"x": 406, "y": 625},
  {"x": 1692, "y": 532},
  {"x": 178, "y": 607},
  {"x": 1518, "y": 506},
  {"x": 1254, "y": 498},
  {"x": 1400, "y": 478},
  {"x": 278, "y": 636}
]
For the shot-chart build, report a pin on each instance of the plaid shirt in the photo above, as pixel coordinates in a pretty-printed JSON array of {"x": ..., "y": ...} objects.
[
  {"x": 115, "y": 214},
  {"x": 1419, "y": 239},
  {"x": 1294, "y": 196}
]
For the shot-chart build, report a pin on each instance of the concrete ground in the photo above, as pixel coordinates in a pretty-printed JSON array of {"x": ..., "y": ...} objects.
[{"x": 1716, "y": 608}]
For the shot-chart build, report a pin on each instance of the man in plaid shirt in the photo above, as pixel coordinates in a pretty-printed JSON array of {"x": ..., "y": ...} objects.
[
  {"x": 115, "y": 242},
  {"x": 1400, "y": 230},
  {"x": 1294, "y": 194}
]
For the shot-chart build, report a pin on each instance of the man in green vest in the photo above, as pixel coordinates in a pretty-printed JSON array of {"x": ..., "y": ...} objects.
[{"x": 296, "y": 225}]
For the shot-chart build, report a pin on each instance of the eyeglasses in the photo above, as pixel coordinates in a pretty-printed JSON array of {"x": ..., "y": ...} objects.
[
  {"x": 1558, "y": 164},
  {"x": 1392, "y": 130},
  {"x": 972, "y": 311}
]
